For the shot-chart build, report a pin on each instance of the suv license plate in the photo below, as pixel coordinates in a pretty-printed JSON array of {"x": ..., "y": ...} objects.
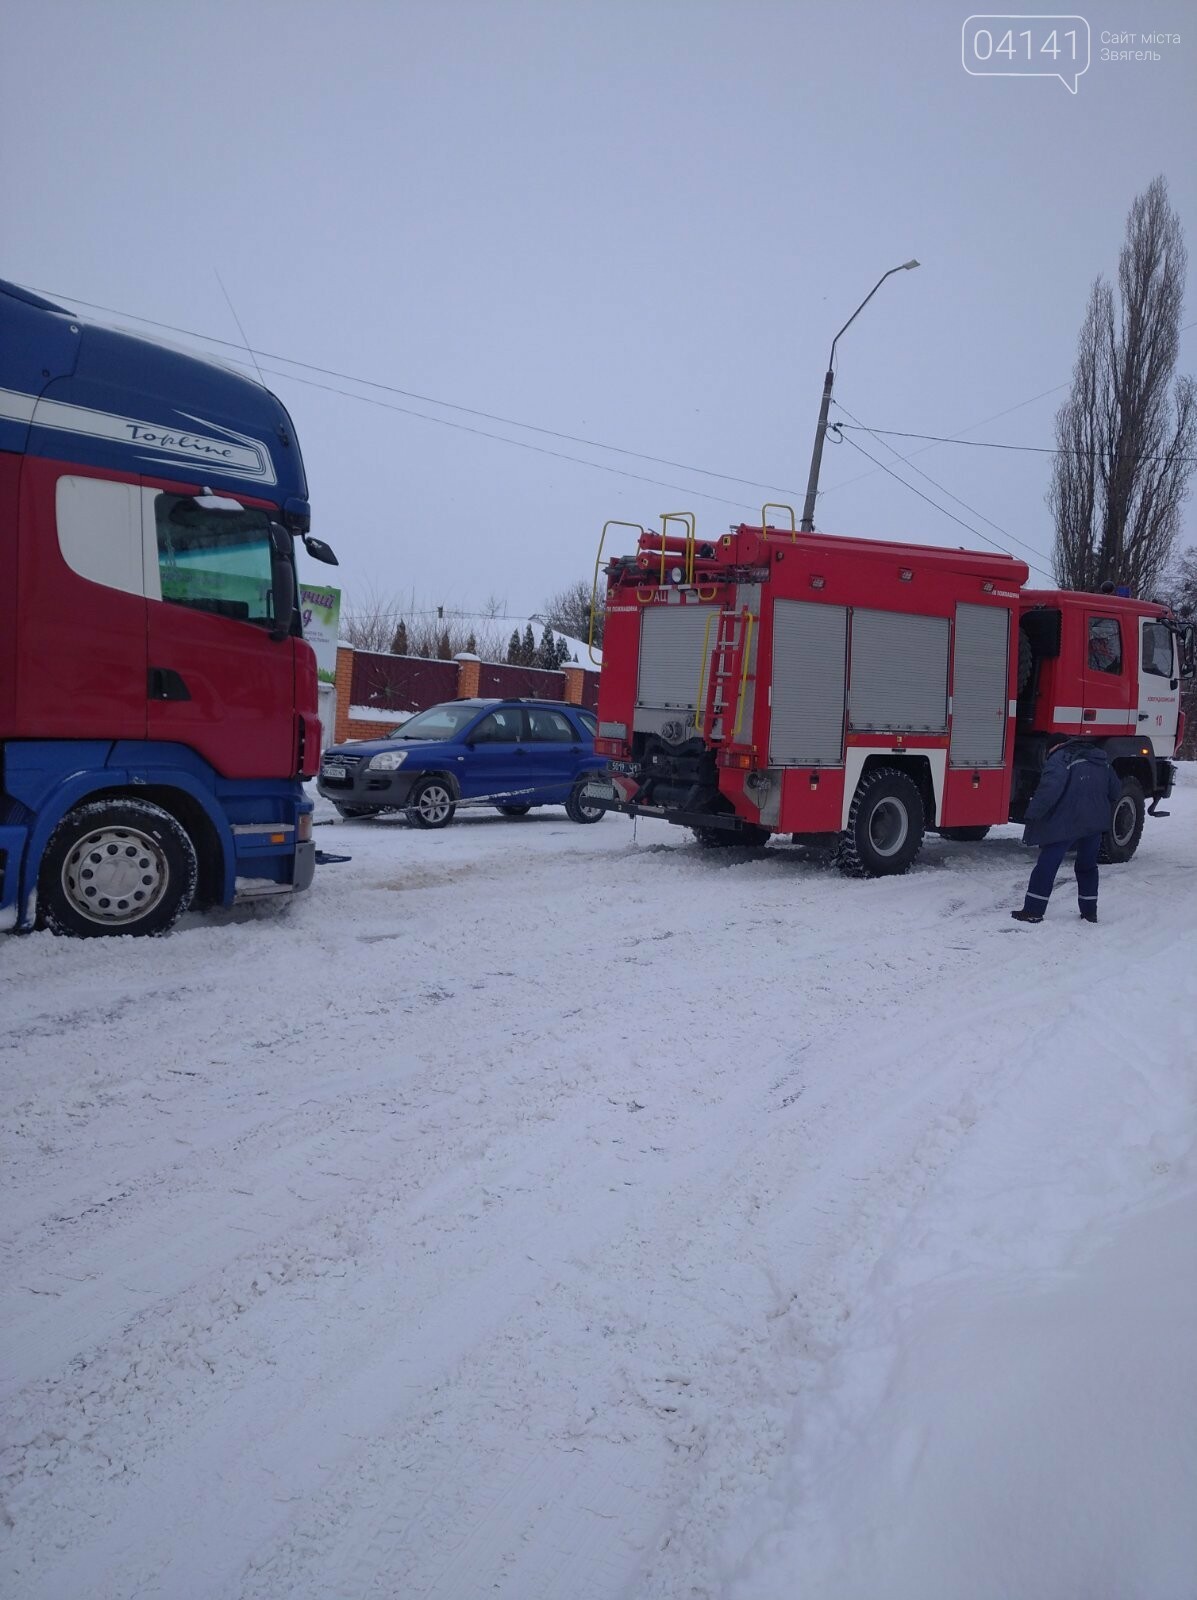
[{"x": 332, "y": 772}]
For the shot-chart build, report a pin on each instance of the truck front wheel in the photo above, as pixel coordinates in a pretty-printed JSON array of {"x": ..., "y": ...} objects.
[
  {"x": 1126, "y": 825},
  {"x": 885, "y": 825},
  {"x": 116, "y": 866}
]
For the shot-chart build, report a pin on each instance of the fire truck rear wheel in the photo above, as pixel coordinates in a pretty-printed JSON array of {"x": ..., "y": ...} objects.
[
  {"x": 885, "y": 825},
  {"x": 1126, "y": 826},
  {"x": 116, "y": 866}
]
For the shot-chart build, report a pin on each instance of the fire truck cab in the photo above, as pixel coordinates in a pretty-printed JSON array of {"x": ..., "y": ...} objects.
[{"x": 855, "y": 693}]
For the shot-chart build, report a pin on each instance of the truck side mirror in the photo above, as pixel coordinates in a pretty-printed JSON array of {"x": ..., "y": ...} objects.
[
  {"x": 1188, "y": 651},
  {"x": 319, "y": 551},
  {"x": 282, "y": 581}
]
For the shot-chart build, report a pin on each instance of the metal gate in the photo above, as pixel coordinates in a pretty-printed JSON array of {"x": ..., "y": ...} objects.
[
  {"x": 806, "y": 723},
  {"x": 980, "y": 686}
]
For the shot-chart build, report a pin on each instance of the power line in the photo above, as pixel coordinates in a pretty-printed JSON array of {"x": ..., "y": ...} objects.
[
  {"x": 424, "y": 399},
  {"x": 976, "y": 532},
  {"x": 943, "y": 489},
  {"x": 987, "y": 444}
]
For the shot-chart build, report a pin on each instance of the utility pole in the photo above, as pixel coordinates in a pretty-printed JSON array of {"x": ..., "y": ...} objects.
[{"x": 816, "y": 460}]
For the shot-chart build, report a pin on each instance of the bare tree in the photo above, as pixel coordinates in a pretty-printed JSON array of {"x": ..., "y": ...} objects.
[
  {"x": 369, "y": 623},
  {"x": 569, "y": 612},
  {"x": 1127, "y": 432}
]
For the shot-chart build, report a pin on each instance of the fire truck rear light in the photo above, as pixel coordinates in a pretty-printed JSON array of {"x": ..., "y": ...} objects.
[
  {"x": 818, "y": 583},
  {"x": 609, "y": 747}
]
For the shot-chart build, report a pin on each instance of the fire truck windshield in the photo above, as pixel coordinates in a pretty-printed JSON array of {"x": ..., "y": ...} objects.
[{"x": 213, "y": 559}]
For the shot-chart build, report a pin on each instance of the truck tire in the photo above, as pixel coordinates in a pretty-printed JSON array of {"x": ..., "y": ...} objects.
[
  {"x": 964, "y": 835},
  {"x": 746, "y": 836},
  {"x": 116, "y": 866},
  {"x": 885, "y": 828},
  {"x": 1126, "y": 825},
  {"x": 1026, "y": 659},
  {"x": 579, "y": 809},
  {"x": 430, "y": 804}
]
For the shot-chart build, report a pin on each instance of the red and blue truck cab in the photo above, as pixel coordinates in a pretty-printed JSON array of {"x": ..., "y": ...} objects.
[{"x": 158, "y": 705}]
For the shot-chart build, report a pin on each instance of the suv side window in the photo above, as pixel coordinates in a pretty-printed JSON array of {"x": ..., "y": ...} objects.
[
  {"x": 504, "y": 726},
  {"x": 1105, "y": 645},
  {"x": 589, "y": 721},
  {"x": 1157, "y": 649},
  {"x": 549, "y": 727}
]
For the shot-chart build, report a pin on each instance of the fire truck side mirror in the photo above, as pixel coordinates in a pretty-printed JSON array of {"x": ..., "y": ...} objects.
[
  {"x": 1188, "y": 650},
  {"x": 282, "y": 581}
]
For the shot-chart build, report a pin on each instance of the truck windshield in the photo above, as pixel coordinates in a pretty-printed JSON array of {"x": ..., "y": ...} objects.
[{"x": 213, "y": 560}]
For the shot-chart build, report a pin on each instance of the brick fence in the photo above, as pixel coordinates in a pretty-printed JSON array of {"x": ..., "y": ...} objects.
[{"x": 372, "y": 688}]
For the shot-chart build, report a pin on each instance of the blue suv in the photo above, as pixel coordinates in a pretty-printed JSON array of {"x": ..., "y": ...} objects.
[{"x": 510, "y": 754}]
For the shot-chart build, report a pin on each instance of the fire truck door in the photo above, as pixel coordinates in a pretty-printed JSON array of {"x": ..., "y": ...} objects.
[
  {"x": 1109, "y": 675},
  {"x": 1159, "y": 686}
]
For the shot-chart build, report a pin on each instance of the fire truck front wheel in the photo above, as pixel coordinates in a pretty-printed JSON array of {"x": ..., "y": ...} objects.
[
  {"x": 885, "y": 825},
  {"x": 1126, "y": 825},
  {"x": 116, "y": 866}
]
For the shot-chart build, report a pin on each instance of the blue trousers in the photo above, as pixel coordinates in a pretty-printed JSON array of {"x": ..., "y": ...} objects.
[{"x": 1043, "y": 874}]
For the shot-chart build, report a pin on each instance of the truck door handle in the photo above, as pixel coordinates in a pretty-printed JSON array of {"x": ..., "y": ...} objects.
[
  {"x": 164, "y": 683},
  {"x": 1143, "y": 716}
]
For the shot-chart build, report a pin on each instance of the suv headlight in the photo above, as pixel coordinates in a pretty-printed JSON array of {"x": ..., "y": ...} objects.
[{"x": 386, "y": 761}]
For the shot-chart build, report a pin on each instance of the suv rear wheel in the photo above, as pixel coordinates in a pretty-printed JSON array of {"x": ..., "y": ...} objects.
[{"x": 579, "y": 808}]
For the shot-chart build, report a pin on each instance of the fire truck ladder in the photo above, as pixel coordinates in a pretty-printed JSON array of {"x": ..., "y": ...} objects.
[{"x": 728, "y": 675}]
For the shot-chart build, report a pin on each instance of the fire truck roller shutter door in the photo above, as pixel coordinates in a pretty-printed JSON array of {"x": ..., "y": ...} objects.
[
  {"x": 671, "y": 658},
  {"x": 806, "y": 725},
  {"x": 899, "y": 673},
  {"x": 980, "y": 680}
]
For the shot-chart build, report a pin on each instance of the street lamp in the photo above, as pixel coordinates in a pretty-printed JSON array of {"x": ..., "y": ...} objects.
[{"x": 812, "y": 483}]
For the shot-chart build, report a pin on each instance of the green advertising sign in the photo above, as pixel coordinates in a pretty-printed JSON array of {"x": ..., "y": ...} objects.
[{"x": 321, "y": 610}]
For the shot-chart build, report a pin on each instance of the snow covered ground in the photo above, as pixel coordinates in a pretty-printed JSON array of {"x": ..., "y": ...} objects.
[{"x": 534, "y": 1214}]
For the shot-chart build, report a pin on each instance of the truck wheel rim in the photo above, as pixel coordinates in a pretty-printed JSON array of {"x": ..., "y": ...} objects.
[
  {"x": 115, "y": 875},
  {"x": 888, "y": 827},
  {"x": 1124, "y": 821},
  {"x": 433, "y": 805}
]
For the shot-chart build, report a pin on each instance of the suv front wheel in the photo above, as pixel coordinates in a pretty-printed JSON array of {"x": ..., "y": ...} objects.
[{"x": 431, "y": 804}]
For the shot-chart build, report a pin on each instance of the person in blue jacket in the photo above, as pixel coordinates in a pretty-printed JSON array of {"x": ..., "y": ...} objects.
[{"x": 1073, "y": 806}]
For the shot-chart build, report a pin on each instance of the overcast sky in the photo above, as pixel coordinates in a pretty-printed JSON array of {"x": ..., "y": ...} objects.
[{"x": 641, "y": 223}]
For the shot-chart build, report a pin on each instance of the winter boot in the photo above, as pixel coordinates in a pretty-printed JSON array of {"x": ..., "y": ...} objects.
[
  {"x": 1028, "y": 913},
  {"x": 1088, "y": 910}
]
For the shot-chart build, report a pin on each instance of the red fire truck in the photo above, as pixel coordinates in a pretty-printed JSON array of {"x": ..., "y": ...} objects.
[{"x": 855, "y": 694}]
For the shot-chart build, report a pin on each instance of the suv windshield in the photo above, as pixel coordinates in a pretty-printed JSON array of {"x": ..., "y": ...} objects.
[
  {"x": 441, "y": 722},
  {"x": 217, "y": 561}
]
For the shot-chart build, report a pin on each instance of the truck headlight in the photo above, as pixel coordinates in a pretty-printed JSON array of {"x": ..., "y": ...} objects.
[{"x": 387, "y": 761}]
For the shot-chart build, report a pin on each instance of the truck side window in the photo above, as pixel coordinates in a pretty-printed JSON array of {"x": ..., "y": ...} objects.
[
  {"x": 1105, "y": 645},
  {"x": 1157, "y": 650},
  {"x": 215, "y": 561}
]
